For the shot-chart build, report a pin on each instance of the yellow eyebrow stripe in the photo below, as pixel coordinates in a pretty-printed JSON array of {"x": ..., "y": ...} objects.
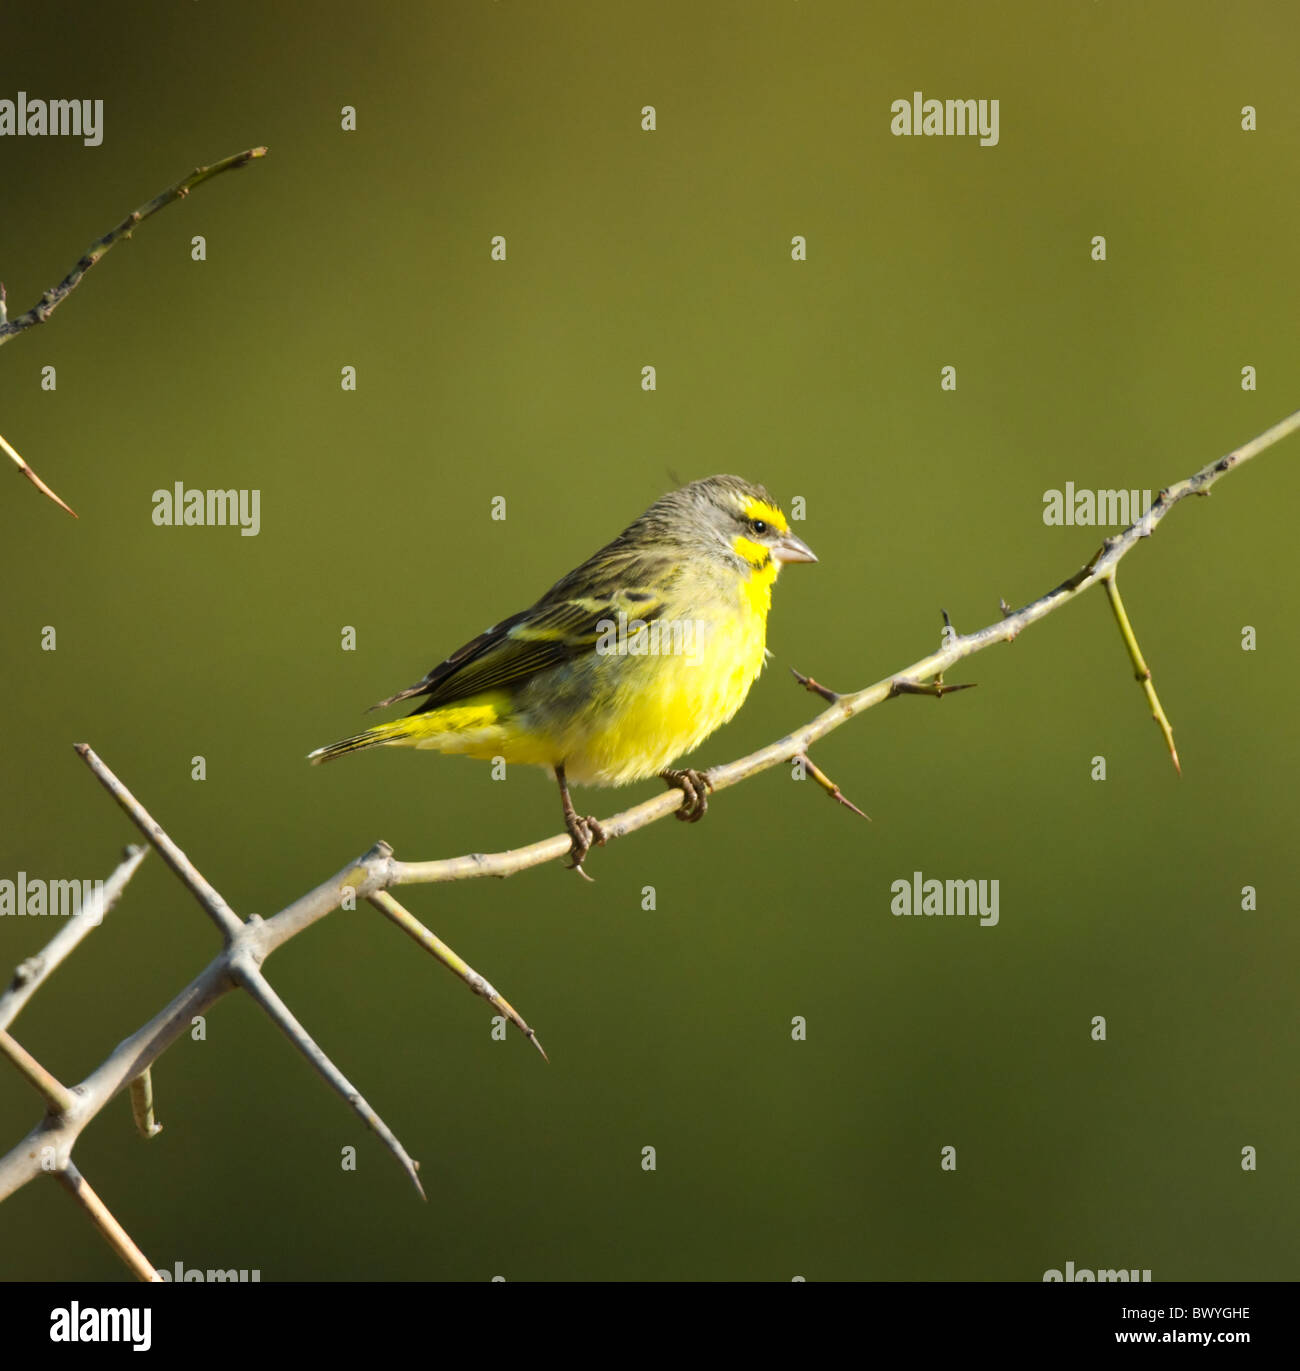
[{"x": 760, "y": 509}]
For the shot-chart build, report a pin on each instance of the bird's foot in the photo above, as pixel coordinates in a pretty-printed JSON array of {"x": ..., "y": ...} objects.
[
  {"x": 585, "y": 831},
  {"x": 695, "y": 785}
]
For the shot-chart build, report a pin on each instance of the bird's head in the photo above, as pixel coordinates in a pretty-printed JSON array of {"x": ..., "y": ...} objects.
[{"x": 745, "y": 520}]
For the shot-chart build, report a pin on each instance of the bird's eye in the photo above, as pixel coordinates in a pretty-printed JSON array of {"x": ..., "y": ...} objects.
[{"x": 758, "y": 526}]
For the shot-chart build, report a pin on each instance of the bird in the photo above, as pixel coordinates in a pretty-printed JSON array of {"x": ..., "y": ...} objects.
[{"x": 624, "y": 665}]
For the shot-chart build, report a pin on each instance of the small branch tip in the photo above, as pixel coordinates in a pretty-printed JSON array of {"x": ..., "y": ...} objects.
[
  {"x": 828, "y": 785},
  {"x": 1141, "y": 671},
  {"x": 831, "y": 696}
]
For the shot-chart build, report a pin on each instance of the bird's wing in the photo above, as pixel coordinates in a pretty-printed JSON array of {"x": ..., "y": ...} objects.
[{"x": 558, "y": 628}]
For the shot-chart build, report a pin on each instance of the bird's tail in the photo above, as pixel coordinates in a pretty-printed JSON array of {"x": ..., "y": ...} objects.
[{"x": 399, "y": 731}]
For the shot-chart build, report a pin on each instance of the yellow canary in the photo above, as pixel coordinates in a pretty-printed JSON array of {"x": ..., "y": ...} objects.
[{"x": 624, "y": 665}]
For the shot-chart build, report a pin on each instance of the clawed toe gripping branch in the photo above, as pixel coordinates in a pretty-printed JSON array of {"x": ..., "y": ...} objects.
[
  {"x": 695, "y": 787},
  {"x": 47, "y": 1148}
]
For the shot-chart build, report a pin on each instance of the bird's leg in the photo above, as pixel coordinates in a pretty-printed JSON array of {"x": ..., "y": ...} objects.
[
  {"x": 695, "y": 785},
  {"x": 583, "y": 830}
]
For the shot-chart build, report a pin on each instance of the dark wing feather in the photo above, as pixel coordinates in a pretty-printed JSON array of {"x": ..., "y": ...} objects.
[
  {"x": 562, "y": 625},
  {"x": 462, "y": 657}
]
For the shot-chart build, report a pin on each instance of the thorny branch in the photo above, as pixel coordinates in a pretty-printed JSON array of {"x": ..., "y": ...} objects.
[
  {"x": 55, "y": 296},
  {"x": 246, "y": 945}
]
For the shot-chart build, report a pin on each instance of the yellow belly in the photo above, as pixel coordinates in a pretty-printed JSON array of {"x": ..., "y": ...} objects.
[{"x": 662, "y": 707}]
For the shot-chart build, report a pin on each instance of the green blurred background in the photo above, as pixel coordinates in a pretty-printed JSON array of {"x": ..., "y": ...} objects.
[{"x": 668, "y": 1028}]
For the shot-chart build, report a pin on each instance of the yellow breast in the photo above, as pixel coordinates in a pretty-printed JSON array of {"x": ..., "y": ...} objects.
[{"x": 660, "y": 705}]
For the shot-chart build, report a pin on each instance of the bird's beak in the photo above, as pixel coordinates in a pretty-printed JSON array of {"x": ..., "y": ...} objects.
[{"x": 792, "y": 549}]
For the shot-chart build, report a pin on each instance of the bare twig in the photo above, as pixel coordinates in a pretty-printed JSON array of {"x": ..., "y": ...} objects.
[
  {"x": 55, "y": 1094},
  {"x": 114, "y": 1234},
  {"x": 937, "y": 688},
  {"x": 1141, "y": 672},
  {"x": 35, "y": 970},
  {"x": 56, "y": 295},
  {"x": 21, "y": 463},
  {"x": 815, "y": 687},
  {"x": 413, "y": 928},
  {"x": 260, "y": 989},
  {"x": 829, "y": 786},
  {"x": 216, "y": 908}
]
